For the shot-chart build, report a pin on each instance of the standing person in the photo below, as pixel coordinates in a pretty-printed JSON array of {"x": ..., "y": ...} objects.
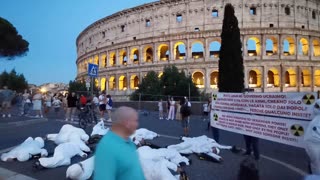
[
  {"x": 116, "y": 157},
  {"x": 109, "y": 107},
  {"x": 6, "y": 103},
  {"x": 178, "y": 114},
  {"x": 102, "y": 105},
  {"x": 215, "y": 131},
  {"x": 26, "y": 102},
  {"x": 189, "y": 105},
  {"x": 172, "y": 109},
  {"x": 71, "y": 106},
  {"x": 95, "y": 101},
  {"x": 167, "y": 107},
  {"x": 56, "y": 103},
  {"x": 83, "y": 100},
  {"x": 65, "y": 102},
  {"x": 205, "y": 110},
  {"x": 160, "y": 105},
  {"x": 185, "y": 113},
  {"x": 37, "y": 103},
  {"x": 252, "y": 143},
  {"x": 48, "y": 100}
]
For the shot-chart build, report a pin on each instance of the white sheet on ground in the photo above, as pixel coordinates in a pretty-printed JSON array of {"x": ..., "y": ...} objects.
[
  {"x": 25, "y": 150},
  {"x": 157, "y": 162},
  {"x": 62, "y": 155},
  {"x": 201, "y": 144},
  {"x": 143, "y": 133},
  {"x": 69, "y": 133},
  {"x": 75, "y": 171},
  {"x": 99, "y": 129}
]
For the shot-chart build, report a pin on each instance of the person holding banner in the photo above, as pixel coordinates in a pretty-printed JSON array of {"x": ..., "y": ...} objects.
[
  {"x": 215, "y": 131},
  {"x": 252, "y": 144}
]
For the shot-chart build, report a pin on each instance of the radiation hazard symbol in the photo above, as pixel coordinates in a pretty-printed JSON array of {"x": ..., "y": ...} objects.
[
  {"x": 215, "y": 117},
  {"x": 308, "y": 99},
  {"x": 214, "y": 97},
  {"x": 297, "y": 130}
]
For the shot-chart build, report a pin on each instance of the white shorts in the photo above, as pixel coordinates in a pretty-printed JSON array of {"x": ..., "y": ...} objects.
[
  {"x": 48, "y": 104},
  {"x": 108, "y": 107},
  {"x": 36, "y": 104}
]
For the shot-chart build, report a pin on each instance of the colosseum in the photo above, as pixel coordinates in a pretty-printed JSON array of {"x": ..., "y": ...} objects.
[{"x": 281, "y": 44}]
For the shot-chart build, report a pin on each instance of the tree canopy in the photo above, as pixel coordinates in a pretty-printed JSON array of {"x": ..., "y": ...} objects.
[
  {"x": 12, "y": 44},
  {"x": 78, "y": 86},
  {"x": 171, "y": 83},
  {"x": 14, "y": 81},
  {"x": 231, "y": 75}
]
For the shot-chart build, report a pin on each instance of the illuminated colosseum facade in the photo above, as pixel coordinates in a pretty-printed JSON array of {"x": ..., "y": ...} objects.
[{"x": 281, "y": 44}]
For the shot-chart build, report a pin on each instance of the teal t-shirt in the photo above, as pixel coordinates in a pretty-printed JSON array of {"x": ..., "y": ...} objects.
[{"x": 117, "y": 159}]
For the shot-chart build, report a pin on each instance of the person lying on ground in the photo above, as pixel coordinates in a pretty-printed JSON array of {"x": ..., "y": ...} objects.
[
  {"x": 198, "y": 145},
  {"x": 62, "y": 156},
  {"x": 69, "y": 133},
  {"x": 26, "y": 150}
]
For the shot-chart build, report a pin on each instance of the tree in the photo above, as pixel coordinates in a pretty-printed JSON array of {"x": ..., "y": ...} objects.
[
  {"x": 78, "y": 86},
  {"x": 149, "y": 88},
  {"x": 11, "y": 43},
  {"x": 231, "y": 75},
  {"x": 171, "y": 83},
  {"x": 175, "y": 83},
  {"x": 13, "y": 80}
]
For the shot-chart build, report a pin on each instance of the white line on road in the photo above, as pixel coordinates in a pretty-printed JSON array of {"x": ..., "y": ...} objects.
[{"x": 289, "y": 166}]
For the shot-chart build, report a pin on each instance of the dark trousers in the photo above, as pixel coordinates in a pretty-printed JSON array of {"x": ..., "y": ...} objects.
[
  {"x": 215, "y": 134},
  {"x": 252, "y": 143}
]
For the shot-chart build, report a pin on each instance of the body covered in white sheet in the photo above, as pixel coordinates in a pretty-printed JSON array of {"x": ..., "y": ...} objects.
[
  {"x": 201, "y": 144},
  {"x": 25, "y": 150},
  {"x": 62, "y": 155}
]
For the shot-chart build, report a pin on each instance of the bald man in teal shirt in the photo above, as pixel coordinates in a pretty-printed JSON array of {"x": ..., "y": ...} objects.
[{"x": 116, "y": 156}]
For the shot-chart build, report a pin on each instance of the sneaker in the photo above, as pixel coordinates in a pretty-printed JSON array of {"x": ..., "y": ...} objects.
[
  {"x": 9, "y": 115},
  {"x": 109, "y": 120},
  {"x": 3, "y": 115}
]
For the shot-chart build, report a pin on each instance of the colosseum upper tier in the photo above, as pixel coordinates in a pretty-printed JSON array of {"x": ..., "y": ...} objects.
[{"x": 281, "y": 44}]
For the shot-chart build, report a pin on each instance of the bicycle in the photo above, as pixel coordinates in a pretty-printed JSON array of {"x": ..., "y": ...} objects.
[{"x": 87, "y": 116}]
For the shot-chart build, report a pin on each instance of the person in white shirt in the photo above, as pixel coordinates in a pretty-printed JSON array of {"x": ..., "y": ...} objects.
[
  {"x": 95, "y": 101},
  {"x": 172, "y": 109},
  {"x": 205, "y": 111},
  {"x": 160, "y": 105},
  {"x": 102, "y": 105},
  {"x": 25, "y": 102},
  {"x": 56, "y": 103},
  {"x": 109, "y": 107}
]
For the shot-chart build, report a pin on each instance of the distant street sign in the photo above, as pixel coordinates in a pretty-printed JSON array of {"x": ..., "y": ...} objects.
[
  {"x": 88, "y": 84},
  {"x": 93, "y": 70},
  {"x": 88, "y": 80}
]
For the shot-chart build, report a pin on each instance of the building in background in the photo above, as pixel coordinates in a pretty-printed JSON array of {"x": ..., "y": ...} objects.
[{"x": 281, "y": 44}]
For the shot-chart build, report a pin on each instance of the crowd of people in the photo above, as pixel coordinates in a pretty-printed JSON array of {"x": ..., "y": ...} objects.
[{"x": 38, "y": 104}]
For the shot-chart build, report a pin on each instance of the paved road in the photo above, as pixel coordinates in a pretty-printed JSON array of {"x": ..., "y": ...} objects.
[{"x": 199, "y": 169}]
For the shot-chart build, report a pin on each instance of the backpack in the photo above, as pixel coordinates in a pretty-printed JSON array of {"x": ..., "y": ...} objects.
[
  {"x": 110, "y": 102},
  {"x": 185, "y": 110}
]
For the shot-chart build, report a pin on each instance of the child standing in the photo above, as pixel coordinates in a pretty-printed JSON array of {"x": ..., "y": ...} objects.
[{"x": 160, "y": 105}]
